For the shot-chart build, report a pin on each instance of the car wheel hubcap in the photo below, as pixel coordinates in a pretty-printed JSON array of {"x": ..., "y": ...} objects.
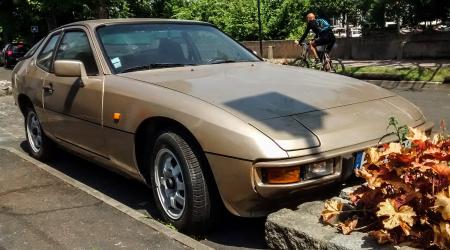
[
  {"x": 170, "y": 184},
  {"x": 34, "y": 132}
]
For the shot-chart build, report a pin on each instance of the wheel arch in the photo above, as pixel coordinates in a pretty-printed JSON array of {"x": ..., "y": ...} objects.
[
  {"x": 145, "y": 138},
  {"x": 23, "y": 101}
]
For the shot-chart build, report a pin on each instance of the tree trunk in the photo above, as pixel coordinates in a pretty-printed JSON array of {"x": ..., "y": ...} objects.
[
  {"x": 102, "y": 10},
  {"x": 348, "y": 31}
]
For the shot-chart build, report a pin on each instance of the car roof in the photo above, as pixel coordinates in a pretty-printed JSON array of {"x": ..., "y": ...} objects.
[{"x": 98, "y": 22}]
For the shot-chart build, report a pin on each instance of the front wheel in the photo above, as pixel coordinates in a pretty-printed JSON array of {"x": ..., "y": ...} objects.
[
  {"x": 39, "y": 146},
  {"x": 179, "y": 184},
  {"x": 302, "y": 62}
]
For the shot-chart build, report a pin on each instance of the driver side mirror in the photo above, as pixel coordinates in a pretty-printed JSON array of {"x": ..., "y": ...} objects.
[{"x": 71, "y": 68}]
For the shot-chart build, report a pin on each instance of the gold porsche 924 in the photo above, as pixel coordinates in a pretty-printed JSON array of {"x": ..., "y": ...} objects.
[{"x": 203, "y": 121}]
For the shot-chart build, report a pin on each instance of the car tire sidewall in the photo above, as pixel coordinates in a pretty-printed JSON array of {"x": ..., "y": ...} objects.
[
  {"x": 166, "y": 140},
  {"x": 43, "y": 153}
]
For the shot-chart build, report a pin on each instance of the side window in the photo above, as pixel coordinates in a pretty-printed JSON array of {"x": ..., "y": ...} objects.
[
  {"x": 33, "y": 49},
  {"x": 75, "y": 46},
  {"x": 44, "y": 60}
]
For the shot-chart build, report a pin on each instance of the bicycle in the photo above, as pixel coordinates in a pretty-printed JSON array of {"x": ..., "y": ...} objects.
[{"x": 307, "y": 60}]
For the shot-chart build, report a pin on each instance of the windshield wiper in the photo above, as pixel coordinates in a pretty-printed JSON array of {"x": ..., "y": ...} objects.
[
  {"x": 155, "y": 66},
  {"x": 223, "y": 61}
]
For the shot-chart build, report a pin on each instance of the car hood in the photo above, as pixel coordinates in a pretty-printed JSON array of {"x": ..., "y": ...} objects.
[
  {"x": 294, "y": 106},
  {"x": 260, "y": 91}
]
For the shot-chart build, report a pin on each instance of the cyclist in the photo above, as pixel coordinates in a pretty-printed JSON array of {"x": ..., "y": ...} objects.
[{"x": 323, "y": 34}]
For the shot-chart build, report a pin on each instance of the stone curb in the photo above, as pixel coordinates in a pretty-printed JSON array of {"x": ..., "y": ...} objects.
[
  {"x": 301, "y": 229},
  {"x": 171, "y": 233},
  {"x": 410, "y": 85}
]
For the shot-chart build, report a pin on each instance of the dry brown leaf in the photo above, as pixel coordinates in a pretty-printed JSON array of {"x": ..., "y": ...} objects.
[
  {"x": 395, "y": 216},
  {"x": 422, "y": 168},
  {"x": 442, "y": 170},
  {"x": 382, "y": 236},
  {"x": 374, "y": 155},
  {"x": 416, "y": 134},
  {"x": 331, "y": 209},
  {"x": 442, "y": 235},
  {"x": 442, "y": 202},
  {"x": 373, "y": 181},
  {"x": 393, "y": 148},
  {"x": 348, "y": 226}
]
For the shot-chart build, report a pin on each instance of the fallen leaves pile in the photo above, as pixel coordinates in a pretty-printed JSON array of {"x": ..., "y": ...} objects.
[{"x": 406, "y": 196}]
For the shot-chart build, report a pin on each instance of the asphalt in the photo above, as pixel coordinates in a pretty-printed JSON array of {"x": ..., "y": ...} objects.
[
  {"x": 397, "y": 63},
  {"x": 39, "y": 211},
  {"x": 432, "y": 99}
]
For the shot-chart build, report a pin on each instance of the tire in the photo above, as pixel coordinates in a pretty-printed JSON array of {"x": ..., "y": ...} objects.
[
  {"x": 39, "y": 145},
  {"x": 303, "y": 63},
  {"x": 176, "y": 174}
]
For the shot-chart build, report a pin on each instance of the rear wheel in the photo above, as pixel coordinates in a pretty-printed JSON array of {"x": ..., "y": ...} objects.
[
  {"x": 303, "y": 63},
  {"x": 179, "y": 184},
  {"x": 39, "y": 146}
]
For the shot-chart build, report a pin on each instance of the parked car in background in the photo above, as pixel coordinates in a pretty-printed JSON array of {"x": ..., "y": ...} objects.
[
  {"x": 203, "y": 121},
  {"x": 11, "y": 53}
]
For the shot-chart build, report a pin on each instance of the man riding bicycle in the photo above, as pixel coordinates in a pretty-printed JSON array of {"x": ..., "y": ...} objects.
[{"x": 323, "y": 34}]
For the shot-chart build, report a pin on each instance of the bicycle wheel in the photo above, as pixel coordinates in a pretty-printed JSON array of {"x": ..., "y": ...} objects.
[
  {"x": 327, "y": 65},
  {"x": 304, "y": 63}
]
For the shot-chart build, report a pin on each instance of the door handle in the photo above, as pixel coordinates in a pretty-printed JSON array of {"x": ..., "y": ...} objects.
[{"x": 48, "y": 89}]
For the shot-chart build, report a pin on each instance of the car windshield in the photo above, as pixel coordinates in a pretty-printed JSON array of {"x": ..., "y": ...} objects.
[{"x": 133, "y": 47}]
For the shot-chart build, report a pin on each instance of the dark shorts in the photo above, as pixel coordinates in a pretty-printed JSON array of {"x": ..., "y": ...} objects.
[{"x": 326, "y": 39}]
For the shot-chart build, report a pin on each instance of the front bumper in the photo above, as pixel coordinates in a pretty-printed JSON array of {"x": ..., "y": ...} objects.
[{"x": 244, "y": 194}]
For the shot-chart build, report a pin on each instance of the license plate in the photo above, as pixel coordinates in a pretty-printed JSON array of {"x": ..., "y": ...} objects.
[{"x": 359, "y": 159}]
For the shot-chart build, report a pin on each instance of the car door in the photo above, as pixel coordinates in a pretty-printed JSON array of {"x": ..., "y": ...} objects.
[
  {"x": 74, "y": 108},
  {"x": 37, "y": 71}
]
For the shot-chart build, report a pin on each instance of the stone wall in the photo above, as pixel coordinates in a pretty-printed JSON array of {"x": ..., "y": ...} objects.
[{"x": 376, "y": 46}]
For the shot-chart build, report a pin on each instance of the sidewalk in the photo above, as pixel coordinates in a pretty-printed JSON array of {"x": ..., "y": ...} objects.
[
  {"x": 397, "y": 63},
  {"x": 40, "y": 211}
]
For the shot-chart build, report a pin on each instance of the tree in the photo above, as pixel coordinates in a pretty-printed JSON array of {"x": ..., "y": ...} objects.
[{"x": 348, "y": 11}]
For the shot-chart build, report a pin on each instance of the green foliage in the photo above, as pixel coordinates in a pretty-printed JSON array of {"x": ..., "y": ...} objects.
[
  {"x": 281, "y": 19},
  {"x": 238, "y": 18},
  {"x": 399, "y": 131}
]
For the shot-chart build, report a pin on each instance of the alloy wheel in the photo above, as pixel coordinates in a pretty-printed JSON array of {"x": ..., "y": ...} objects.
[{"x": 170, "y": 185}]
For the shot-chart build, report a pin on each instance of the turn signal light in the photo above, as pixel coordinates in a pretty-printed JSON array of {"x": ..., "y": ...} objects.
[{"x": 281, "y": 175}]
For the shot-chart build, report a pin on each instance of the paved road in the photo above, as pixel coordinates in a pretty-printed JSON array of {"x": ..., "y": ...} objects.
[
  {"x": 40, "y": 211},
  {"x": 234, "y": 232},
  {"x": 433, "y": 100},
  {"x": 5, "y": 74},
  {"x": 397, "y": 63}
]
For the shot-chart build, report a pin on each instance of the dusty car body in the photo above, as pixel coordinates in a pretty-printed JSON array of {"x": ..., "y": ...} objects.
[{"x": 244, "y": 121}]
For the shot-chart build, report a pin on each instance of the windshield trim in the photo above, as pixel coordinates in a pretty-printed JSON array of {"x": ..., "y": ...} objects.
[{"x": 108, "y": 62}]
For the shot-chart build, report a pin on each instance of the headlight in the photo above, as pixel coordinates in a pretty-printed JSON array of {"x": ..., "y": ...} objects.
[
  {"x": 318, "y": 169},
  {"x": 289, "y": 175}
]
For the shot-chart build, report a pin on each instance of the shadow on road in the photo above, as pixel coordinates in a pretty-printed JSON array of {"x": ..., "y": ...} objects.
[{"x": 232, "y": 232}]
